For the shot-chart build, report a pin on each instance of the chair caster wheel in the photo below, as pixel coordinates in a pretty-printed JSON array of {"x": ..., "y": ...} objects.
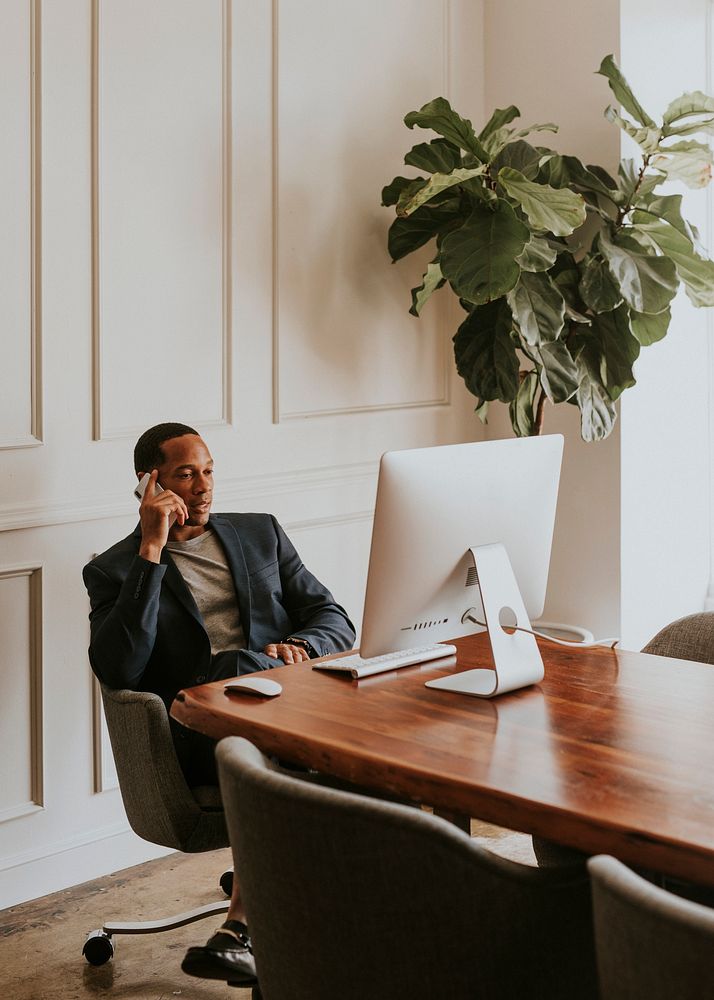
[
  {"x": 98, "y": 948},
  {"x": 226, "y": 883}
]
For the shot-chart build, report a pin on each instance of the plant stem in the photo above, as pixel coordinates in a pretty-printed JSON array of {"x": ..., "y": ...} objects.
[
  {"x": 540, "y": 413},
  {"x": 625, "y": 209}
]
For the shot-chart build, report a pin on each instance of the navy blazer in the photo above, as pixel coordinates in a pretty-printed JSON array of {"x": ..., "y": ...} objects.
[{"x": 147, "y": 633}]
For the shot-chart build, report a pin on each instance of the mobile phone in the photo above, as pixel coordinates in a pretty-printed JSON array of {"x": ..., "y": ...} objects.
[{"x": 140, "y": 488}]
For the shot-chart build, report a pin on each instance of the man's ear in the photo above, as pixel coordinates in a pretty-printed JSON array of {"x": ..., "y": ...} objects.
[{"x": 140, "y": 475}]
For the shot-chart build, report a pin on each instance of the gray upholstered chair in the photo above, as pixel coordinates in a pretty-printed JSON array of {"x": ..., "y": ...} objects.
[
  {"x": 650, "y": 944},
  {"x": 688, "y": 638},
  {"x": 352, "y": 897},
  {"x": 160, "y": 806}
]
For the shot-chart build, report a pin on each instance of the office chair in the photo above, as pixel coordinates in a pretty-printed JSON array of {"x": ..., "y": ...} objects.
[
  {"x": 688, "y": 638},
  {"x": 160, "y": 806},
  {"x": 349, "y": 896},
  {"x": 650, "y": 944}
]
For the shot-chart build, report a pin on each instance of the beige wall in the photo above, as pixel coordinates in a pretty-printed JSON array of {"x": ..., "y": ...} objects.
[{"x": 541, "y": 57}]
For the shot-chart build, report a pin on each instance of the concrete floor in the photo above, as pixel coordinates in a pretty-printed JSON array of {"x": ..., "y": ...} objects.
[{"x": 41, "y": 941}]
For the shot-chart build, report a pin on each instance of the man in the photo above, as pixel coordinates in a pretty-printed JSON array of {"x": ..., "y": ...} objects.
[{"x": 190, "y": 597}]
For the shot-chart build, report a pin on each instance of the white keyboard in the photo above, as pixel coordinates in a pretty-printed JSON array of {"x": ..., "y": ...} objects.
[{"x": 359, "y": 667}]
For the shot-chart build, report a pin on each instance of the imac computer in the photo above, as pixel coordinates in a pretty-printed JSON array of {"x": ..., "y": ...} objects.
[{"x": 462, "y": 532}]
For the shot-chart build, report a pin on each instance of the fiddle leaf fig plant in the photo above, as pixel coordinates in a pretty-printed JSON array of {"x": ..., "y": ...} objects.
[{"x": 564, "y": 271}]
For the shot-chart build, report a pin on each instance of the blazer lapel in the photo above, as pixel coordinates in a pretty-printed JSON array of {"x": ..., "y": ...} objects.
[
  {"x": 176, "y": 583},
  {"x": 228, "y": 537}
]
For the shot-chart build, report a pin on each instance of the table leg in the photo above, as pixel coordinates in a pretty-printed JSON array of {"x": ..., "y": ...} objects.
[{"x": 458, "y": 819}]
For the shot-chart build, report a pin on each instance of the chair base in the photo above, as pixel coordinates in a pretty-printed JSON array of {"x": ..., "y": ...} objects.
[{"x": 99, "y": 946}]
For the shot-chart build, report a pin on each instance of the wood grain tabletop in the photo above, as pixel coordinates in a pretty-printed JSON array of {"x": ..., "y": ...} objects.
[{"x": 611, "y": 752}]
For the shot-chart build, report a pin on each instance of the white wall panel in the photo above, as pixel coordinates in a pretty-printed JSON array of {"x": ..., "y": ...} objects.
[
  {"x": 345, "y": 76},
  {"x": 666, "y": 433},
  {"x": 161, "y": 213},
  {"x": 21, "y": 691},
  {"x": 162, "y": 270},
  {"x": 20, "y": 410},
  {"x": 327, "y": 546}
]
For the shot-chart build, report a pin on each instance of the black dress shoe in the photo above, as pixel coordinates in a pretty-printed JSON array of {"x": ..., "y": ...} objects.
[{"x": 226, "y": 955}]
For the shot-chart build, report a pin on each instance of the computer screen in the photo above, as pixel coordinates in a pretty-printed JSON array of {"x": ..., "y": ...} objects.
[{"x": 433, "y": 505}]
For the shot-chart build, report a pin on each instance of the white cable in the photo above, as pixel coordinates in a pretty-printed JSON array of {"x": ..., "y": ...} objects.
[{"x": 551, "y": 638}]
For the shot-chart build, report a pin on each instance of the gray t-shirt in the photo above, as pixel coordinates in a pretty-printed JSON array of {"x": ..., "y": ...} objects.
[{"x": 203, "y": 565}]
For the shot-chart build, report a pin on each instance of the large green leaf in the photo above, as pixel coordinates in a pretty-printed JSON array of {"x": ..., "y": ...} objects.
[
  {"x": 694, "y": 103},
  {"x": 481, "y": 410},
  {"x": 557, "y": 370},
  {"x": 689, "y": 162},
  {"x": 435, "y": 185},
  {"x": 621, "y": 89},
  {"x": 437, "y": 156},
  {"x": 562, "y": 171},
  {"x": 597, "y": 288},
  {"x": 519, "y": 155},
  {"x": 597, "y": 410},
  {"x": 407, "y": 235},
  {"x": 392, "y": 192},
  {"x": 536, "y": 127},
  {"x": 408, "y": 191},
  {"x": 538, "y": 308},
  {"x": 439, "y": 116},
  {"x": 433, "y": 279},
  {"x": 521, "y": 409},
  {"x": 537, "y": 255},
  {"x": 618, "y": 350},
  {"x": 499, "y": 118},
  {"x": 696, "y": 273},
  {"x": 485, "y": 354},
  {"x": 647, "y": 138},
  {"x": 668, "y": 208},
  {"x": 647, "y": 283},
  {"x": 649, "y": 329},
  {"x": 558, "y": 210},
  {"x": 504, "y": 136},
  {"x": 704, "y": 126},
  {"x": 479, "y": 259}
]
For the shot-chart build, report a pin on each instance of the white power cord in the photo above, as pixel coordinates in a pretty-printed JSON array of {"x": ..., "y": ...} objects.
[{"x": 583, "y": 643}]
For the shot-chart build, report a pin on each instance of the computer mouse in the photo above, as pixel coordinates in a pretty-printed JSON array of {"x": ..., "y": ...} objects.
[{"x": 254, "y": 684}]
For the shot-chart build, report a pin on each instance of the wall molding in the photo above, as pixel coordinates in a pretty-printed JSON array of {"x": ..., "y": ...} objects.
[
  {"x": 99, "y": 430},
  {"x": 280, "y": 415},
  {"x": 35, "y": 436},
  {"x": 240, "y": 491},
  {"x": 67, "y": 844},
  {"x": 337, "y": 521},
  {"x": 36, "y": 716}
]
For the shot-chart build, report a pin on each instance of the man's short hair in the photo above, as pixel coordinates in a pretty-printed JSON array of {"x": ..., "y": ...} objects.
[{"x": 148, "y": 454}]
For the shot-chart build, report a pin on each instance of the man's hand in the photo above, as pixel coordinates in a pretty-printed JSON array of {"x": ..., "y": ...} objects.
[
  {"x": 158, "y": 513},
  {"x": 286, "y": 652}
]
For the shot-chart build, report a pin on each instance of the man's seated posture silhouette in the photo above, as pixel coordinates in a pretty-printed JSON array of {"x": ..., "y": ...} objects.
[{"x": 191, "y": 597}]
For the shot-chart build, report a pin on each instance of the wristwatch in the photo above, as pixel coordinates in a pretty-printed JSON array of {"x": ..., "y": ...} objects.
[{"x": 295, "y": 640}]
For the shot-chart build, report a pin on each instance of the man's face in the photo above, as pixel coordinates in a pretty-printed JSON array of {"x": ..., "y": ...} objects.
[{"x": 187, "y": 470}]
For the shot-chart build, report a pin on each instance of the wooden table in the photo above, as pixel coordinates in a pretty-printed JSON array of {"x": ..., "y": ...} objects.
[{"x": 612, "y": 752}]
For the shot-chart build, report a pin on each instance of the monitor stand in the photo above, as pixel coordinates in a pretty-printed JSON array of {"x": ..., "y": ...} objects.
[{"x": 516, "y": 656}]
